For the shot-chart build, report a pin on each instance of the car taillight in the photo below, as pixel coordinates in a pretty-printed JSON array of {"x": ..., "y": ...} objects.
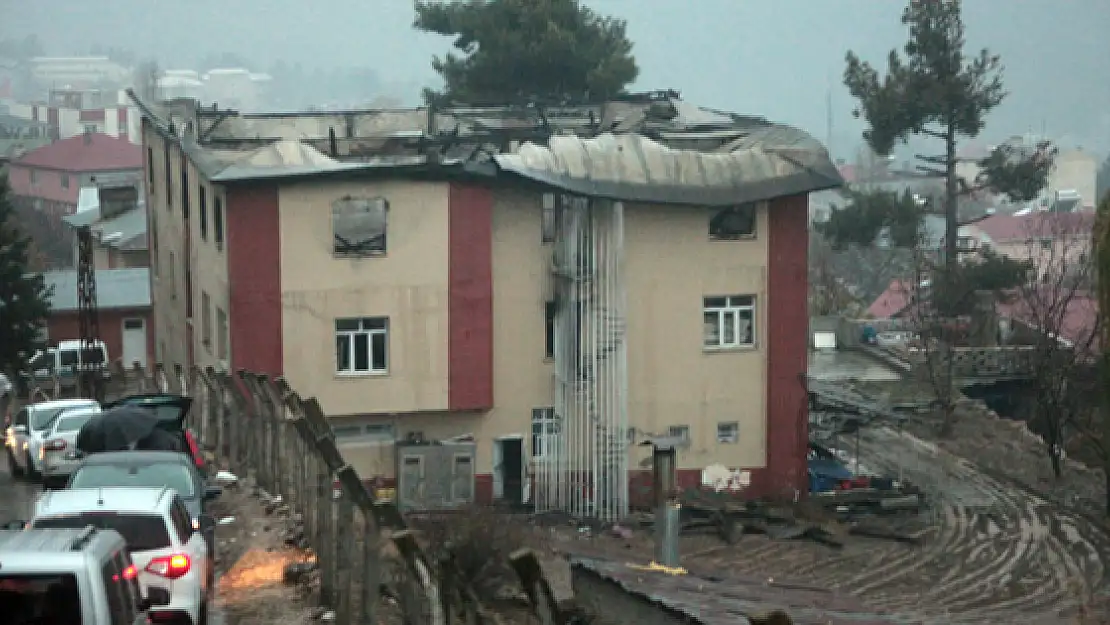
[
  {"x": 129, "y": 573},
  {"x": 170, "y": 567},
  {"x": 193, "y": 449},
  {"x": 55, "y": 445}
]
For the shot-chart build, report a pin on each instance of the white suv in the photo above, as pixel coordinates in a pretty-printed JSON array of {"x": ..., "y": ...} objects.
[
  {"x": 28, "y": 430},
  {"x": 171, "y": 556}
]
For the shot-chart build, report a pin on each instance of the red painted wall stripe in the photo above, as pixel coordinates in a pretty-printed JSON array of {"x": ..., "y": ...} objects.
[
  {"x": 787, "y": 345},
  {"x": 470, "y": 298},
  {"x": 253, "y": 248}
]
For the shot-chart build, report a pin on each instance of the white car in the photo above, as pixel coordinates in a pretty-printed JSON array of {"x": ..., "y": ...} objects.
[
  {"x": 170, "y": 554},
  {"x": 28, "y": 430},
  {"x": 57, "y": 453}
]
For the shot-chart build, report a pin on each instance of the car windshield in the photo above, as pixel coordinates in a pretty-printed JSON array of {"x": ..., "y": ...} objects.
[
  {"x": 40, "y": 599},
  {"x": 43, "y": 418},
  {"x": 176, "y": 476},
  {"x": 143, "y": 532},
  {"x": 73, "y": 420}
]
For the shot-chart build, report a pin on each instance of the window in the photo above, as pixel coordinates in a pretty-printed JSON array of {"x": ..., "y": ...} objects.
[
  {"x": 728, "y": 432},
  {"x": 91, "y": 129},
  {"x": 184, "y": 191},
  {"x": 171, "y": 272},
  {"x": 206, "y": 321},
  {"x": 361, "y": 345},
  {"x": 545, "y": 433},
  {"x": 729, "y": 321},
  {"x": 679, "y": 431},
  {"x": 462, "y": 478},
  {"x": 359, "y": 226},
  {"x": 117, "y": 591},
  {"x": 143, "y": 532},
  {"x": 221, "y": 334},
  {"x": 218, "y": 221},
  {"x": 182, "y": 520},
  {"x": 549, "y": 218},
  {"x": 177, "y": 476},
  {"x": 188, "y": 292},
  {"x": 150, "y": 169},
  {"x": 65, "y": 180},
  {"x": 41, "y": 598},
  {"x": 202, "y": 204},
  {"x": 733, "y": 223},
  {"x": 365, "y": 432},
  {"x": 34, "y": 174},
  {"x": 169, "y": 177},
  {"x": 549, "y": 329}
]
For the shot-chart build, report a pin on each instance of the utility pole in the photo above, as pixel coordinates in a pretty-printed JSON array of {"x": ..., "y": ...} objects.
[{"x": 89, "y": 377}]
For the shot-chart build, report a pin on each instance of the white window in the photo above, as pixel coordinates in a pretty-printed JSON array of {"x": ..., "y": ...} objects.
[
  {"x": 679, "y": 431},
  {"x": 729, "y": 321},
  {"x": 545, "y": 433},
  {"x": 361, "y": 345},
  {"x": 728, "y": 432},
  {"x": 364, "y": 432},
  {"x": 359, "y": 226}
]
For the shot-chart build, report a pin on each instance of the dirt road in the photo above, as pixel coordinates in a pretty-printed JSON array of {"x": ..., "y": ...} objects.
[{"x": 994, "y": 551}]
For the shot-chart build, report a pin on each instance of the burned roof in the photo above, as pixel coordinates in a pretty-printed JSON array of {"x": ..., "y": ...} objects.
[
  {"x": 642, "y": 147},
  {"x": 718, "y": 600}
]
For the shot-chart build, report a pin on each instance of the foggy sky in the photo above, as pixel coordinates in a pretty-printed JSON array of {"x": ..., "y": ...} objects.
[{"x": 775, "y": 58}]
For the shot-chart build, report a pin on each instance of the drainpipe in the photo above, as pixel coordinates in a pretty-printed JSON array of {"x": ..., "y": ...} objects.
[{"x": 668, "y": 509}]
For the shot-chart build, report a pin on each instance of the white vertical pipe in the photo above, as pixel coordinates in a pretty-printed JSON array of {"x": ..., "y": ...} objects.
[{"x": 622, "y": 351}]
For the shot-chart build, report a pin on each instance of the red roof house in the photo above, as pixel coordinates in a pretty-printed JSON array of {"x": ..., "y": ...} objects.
[{"x": 52, "y": 176}]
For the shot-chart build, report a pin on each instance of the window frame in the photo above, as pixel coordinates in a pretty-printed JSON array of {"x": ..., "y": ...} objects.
[
  {"x": 377, "y": 433},
  {"x": 735, "y": 429},
  {"x": 544, "y": 440},
  {"x": 367, "y": 328},
  {"x": 549, "y": 328},
  {"x": 731, "y": 307},
  {"x": 206, "y": 320},
  {"x": 218, "y": 220},
  {"x": 347, "y": 203},
  {"x": 719, "y": 216},
  {"x": 683, "y": 432},
  {"x": 549, "y": 218},
  {"x": 202, "y": 208},
  {"x": 64, "y": 179}
]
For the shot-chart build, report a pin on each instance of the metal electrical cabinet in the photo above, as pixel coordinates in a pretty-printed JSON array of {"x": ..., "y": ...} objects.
[{"x": 434, "y": 475}]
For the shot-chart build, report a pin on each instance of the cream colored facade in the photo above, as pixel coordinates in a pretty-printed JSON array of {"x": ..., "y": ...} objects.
[
  {"x": 670, "y": 267},
  {"x": 1075, "y": 170},
  {"x": 167, "y": 253}
]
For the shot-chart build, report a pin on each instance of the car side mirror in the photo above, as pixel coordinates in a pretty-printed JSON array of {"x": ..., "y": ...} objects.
[{"x": 212, "y": 492}]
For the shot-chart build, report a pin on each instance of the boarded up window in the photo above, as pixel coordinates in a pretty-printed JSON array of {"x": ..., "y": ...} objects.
[
  {"x": 462, "y": 478},
  {"x": 359, "y": 226},
  {"x": 735, "y": 222}
]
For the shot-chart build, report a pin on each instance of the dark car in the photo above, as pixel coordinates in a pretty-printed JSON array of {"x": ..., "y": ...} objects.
[
  {"x": 169, "y": 411},
  {"x": 150, "y": 469}
]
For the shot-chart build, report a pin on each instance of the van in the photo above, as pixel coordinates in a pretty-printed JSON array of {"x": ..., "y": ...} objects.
[
  {"x": 67, "y": 359},
  {"x": 78, "y": 576}
]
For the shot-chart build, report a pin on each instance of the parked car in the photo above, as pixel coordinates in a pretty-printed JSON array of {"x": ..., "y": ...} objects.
[
  {"x": 66, "y": 360},
  {"x": 27, "y": 432},
  {"x": 79, "y": 575},
  {"x": 169, "y": 412},
  {"x": 149, "y": 469},
  {"x": 58, "y": 452},
  {"x": 170, "y": 555}
]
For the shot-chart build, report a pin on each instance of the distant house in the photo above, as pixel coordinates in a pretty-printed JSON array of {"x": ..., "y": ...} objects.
[
  {"x": 123, "y": 312},
  {"x": 1052, "y": 241},
  {"x": 50, "y": 178},
  {"x": 116, "y": 216}
]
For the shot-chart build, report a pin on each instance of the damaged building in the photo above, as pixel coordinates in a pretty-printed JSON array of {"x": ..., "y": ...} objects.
[{"x": 557, "y": 283}]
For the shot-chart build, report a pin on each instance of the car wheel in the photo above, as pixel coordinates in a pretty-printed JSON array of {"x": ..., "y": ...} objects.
[
  {"x": 14, "y": 468},
  {"x": 31, "y": 472}
]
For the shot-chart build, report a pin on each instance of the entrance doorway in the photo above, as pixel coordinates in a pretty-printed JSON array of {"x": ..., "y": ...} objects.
[
  {"x": 508, "y": 469},
  {"x": 134, "y": 342}
]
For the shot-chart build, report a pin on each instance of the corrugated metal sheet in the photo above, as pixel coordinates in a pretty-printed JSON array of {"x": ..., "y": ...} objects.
[
  {"x": 115, "y": 288},
  {"x": 720, "y": 600},
  {"x": 763, "y": 164}
]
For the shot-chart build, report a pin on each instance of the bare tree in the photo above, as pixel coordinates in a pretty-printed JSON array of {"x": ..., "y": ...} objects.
[
  {"x": 830, "y": 293},
  {"x": 1056, "y": 315}
]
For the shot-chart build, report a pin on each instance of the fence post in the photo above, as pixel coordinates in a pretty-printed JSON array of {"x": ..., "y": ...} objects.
[
  {"x": 160, "y": 382},
  {"x": 260, "y": 438},
  {"x": 277, "y": 460},
  {"x": 180, "y": 384}
]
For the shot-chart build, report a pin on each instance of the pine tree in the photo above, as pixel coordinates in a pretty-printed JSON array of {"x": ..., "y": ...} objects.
[
  {"x": 545, "y": 51},
  {"x": 24, "y": 297}
]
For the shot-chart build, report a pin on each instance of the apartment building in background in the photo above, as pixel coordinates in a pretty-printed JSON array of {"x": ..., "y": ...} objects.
[
  {"x": 115, "y": 214},
  {"x": 50, "y": 178},
  {"x": 559, "y": 302}
]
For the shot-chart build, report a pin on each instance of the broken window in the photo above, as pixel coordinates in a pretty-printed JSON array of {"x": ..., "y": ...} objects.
[
  {"x": 359, "y": 226},
  {"x": 733, "y": 223}
]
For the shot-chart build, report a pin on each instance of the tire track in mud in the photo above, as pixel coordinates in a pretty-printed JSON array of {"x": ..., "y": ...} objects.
[{"x": 994, "y": 551}]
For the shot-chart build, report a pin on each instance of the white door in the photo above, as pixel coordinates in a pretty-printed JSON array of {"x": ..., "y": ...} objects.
[{"x": 134, "y": 342}]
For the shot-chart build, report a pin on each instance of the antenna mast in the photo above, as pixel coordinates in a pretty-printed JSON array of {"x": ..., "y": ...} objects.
[{"x": 90, "y": 382}]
